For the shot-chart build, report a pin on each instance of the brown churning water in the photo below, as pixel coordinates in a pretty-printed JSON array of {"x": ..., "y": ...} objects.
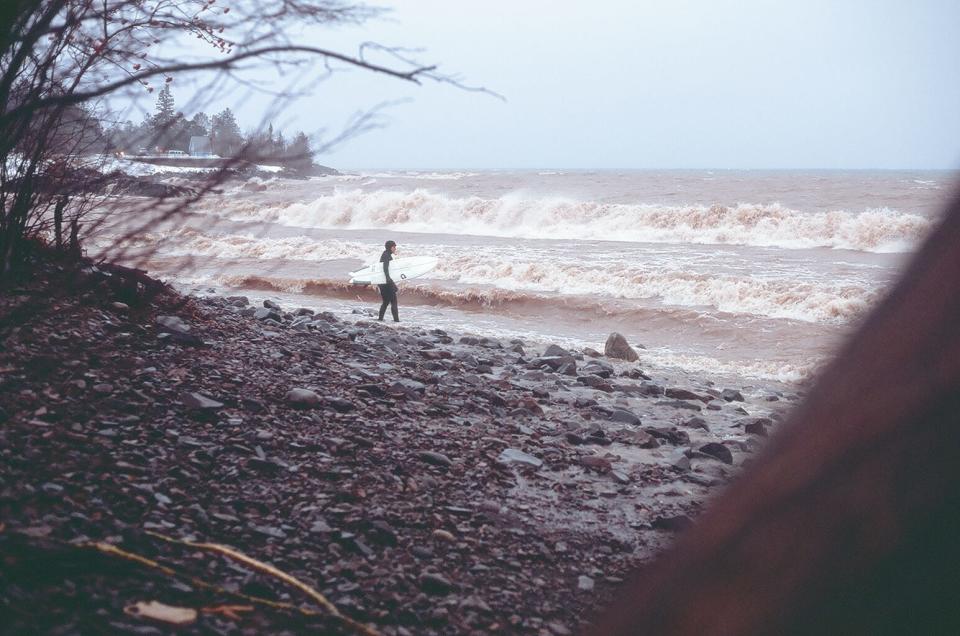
[{"x": 748, "y": 273}]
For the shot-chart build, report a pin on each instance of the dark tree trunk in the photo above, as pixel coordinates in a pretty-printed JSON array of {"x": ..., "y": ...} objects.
[
  {"x": 58, "y": 222},
  {"x": 75, "y": 237},
  {"x": 850, "y": 521}
]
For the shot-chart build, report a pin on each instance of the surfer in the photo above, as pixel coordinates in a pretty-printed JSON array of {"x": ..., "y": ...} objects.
[{"x": 388, "y": 291}]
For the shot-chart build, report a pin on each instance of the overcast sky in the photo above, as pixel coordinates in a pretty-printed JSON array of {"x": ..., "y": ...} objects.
[{"x": 655, "y": 84}]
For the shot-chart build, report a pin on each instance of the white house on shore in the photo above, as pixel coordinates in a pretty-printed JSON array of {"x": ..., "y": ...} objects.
[{"x": 200, "y": 146}]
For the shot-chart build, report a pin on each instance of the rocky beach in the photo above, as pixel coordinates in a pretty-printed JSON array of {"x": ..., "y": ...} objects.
[{"x": 400, "y": 480}]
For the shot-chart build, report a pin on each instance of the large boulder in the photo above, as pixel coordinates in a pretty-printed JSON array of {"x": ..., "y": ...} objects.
[
  {"x": 617, "y": 347},
  {"x": 555, "y": 351}
]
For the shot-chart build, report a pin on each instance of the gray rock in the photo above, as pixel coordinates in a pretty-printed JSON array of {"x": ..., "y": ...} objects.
[
  {"x": 173, "y": 324},
  {"x": 559, "y": 629},
  {"x": 672, "y": 524},
  {"x": 625, "y": 416},
  {"x": 697, "y": 422},
  {"x": 516, "y": 456},
  {"x": 264, "y": 314},
  {"x": 555, "y": 362},
  {"x": 594, "y": 462},
  {"x": 645, "y": 389},
  {"x": 618, "y": 347},
  {"x": 341, "y": 405},
  {"x": 731, "y": 395},
  {"x": 269, "y": 304},
  {"x": 269, "y": 531},
  {"x": 237, "y": 301},
  {"x": 595, "y": 382},
  {"x": 591, "y": 353},
  {"x": 642, "y": 439},
  {"x": 680, "y": 404},
  {"x": 320, "y": 527},
  {"x": 758, "y": 426},
  {"x": 555, "y": 351},
  {"x": 717, "y": 451},
  {"x": 200, "y": 401},
  {"x": 601, "y": 368},
  {"x": 584, "y": 583},
  {"x": 437, "y": 459},
  {"x": 433, "y": 583},
  {"x": 670, "y": 435},
  {"x": 569, "y": 368},
  {"x": 302, "y": 398},
  {"x": 684, "y": 394}
]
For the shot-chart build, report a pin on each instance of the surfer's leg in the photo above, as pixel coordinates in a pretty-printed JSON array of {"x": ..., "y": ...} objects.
[
  {"x": 386, "y": 300},
  {"x": 393, "y": 308}
]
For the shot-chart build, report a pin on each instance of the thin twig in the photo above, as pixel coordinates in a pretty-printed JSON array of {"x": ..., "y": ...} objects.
[
  {"x": 270, "y": 570},
  {"x": 110, "y": 549}
]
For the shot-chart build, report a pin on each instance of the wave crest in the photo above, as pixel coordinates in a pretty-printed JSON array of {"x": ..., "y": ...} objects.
[{"x": 874, "y": 230}]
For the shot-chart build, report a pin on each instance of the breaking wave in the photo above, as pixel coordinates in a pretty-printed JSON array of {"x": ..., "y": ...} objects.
[
  {"x": 518, "y": 302},
  {"x": 873, "y": 230},
  {"x": 502, "y": 271}
]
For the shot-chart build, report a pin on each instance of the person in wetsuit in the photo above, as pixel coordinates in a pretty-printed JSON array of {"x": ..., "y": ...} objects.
[{"x": 388, "y": 291}]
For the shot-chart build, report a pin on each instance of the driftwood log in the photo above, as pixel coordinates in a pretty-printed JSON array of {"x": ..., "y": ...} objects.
[{"x": 849, "y": 522}]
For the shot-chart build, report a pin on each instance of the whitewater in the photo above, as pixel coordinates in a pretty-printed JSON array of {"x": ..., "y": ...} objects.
[{"x": 753, "y": 274}]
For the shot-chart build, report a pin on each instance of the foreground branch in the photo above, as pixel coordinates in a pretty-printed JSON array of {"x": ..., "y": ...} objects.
[
  {"x": 74, "y": 98},
  {"x": 112, "y": 550}
]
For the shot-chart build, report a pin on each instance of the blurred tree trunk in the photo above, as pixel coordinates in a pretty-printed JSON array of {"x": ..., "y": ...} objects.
[{"x": 849, "y": 523}]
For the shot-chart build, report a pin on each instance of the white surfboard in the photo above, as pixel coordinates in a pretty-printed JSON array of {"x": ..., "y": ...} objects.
[{"x": 403, "y": 268}]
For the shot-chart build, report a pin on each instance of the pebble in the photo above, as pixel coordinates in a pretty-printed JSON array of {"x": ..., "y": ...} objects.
[
  {"x": 435, "y": 584},
  {"x": 200, "y": 401},
  {"x": 443, "y": 535},
  {"x": 302, "y": 398},
  {"x": 437, "y": 459},
  {"x": 407, "y": 456}
]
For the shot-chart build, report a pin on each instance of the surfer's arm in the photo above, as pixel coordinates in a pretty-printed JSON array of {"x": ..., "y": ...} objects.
[{"x": 386, "y": 272}]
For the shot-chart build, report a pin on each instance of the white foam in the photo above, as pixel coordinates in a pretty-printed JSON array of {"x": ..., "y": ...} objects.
[
  {"x": 787, "y": 372},
  {"x": 532, "y": 270},
  {"x": 423, "y": 176},
  {"x": 874, "y": 230}
]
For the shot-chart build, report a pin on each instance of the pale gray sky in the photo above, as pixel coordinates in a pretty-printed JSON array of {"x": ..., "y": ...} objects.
[{"x": 656, "y": 84}]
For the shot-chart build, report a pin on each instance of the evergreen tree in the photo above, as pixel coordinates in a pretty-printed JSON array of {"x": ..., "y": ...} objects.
[
  {"x": 164, "y": 120},
  {"x": 166, "y": 108},
  {"x": 299, "y": 156},
  {"x": 225, "y": 134},
  {"x": 200, "y": 124}
]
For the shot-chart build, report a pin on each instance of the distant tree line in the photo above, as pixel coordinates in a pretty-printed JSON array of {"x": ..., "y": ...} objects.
[
  {"x": 63, "y": 61},
  {"x": 168, "y": 129}
]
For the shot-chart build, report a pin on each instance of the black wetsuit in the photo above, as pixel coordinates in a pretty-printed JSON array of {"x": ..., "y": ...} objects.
[{"x": 388, "y": 291}]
